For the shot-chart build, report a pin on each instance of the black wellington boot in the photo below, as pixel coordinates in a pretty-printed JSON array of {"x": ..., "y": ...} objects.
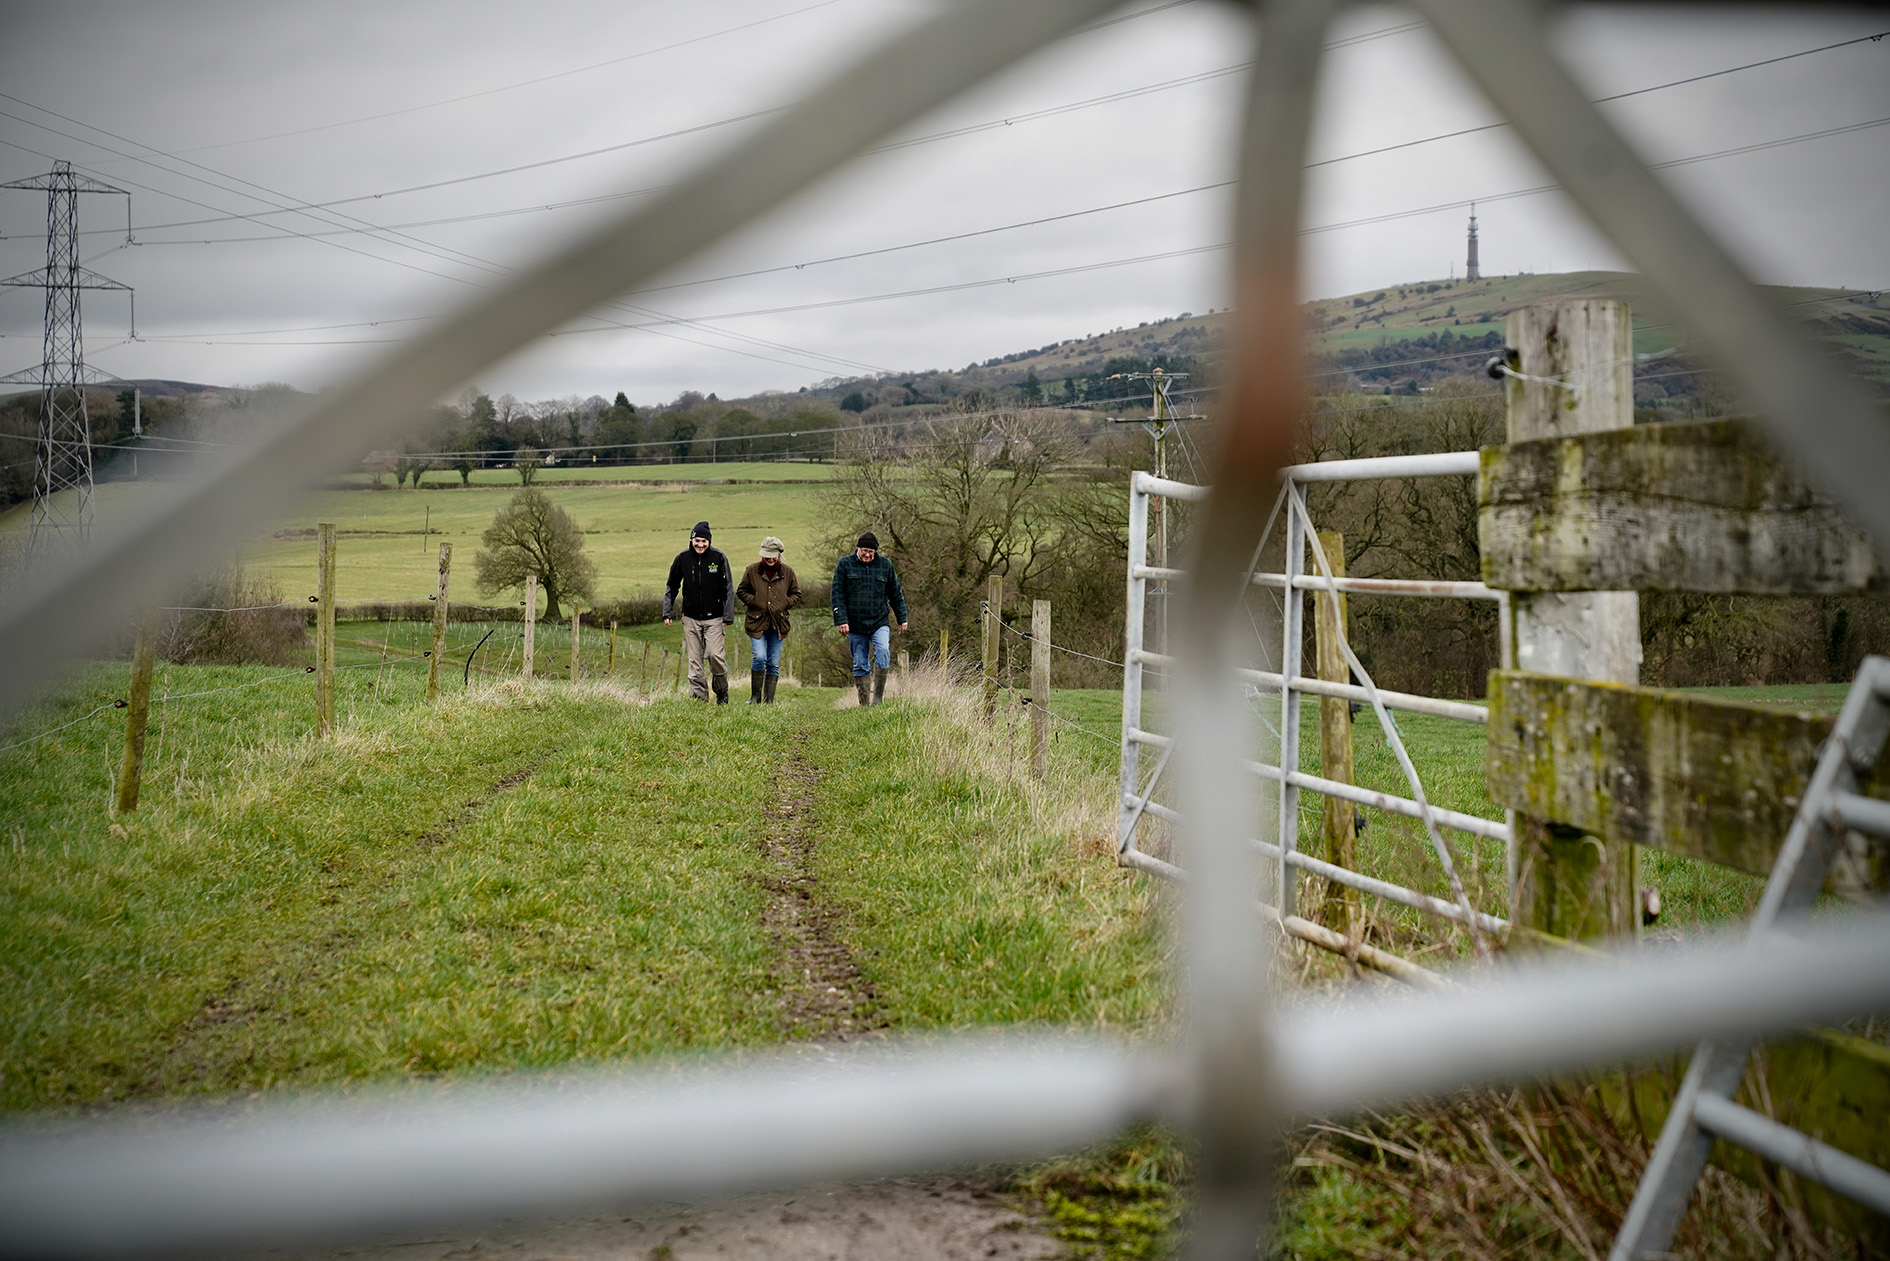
[
  {"x": 862, "y": 687},
  {"x": 879, "y": 686},
  {"x": 767, "y": 698},
  {"x": 754, "y": 686}
]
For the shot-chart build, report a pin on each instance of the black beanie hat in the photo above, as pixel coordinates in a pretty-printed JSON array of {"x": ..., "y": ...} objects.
[
  {"x": 701, "y": 531},
  {"x": 869, "y": 539}
]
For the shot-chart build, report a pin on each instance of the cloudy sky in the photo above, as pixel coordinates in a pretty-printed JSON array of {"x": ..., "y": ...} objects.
[{"x": 311, "y": 183}]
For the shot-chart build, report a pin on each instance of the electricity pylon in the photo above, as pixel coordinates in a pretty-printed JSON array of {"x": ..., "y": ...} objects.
[{"x": 62, "y": 472}]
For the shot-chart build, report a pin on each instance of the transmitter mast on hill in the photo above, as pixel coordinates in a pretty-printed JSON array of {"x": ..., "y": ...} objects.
[
  {"x": 62, "y": 474},
  {"x": 1470, "y": 269}
]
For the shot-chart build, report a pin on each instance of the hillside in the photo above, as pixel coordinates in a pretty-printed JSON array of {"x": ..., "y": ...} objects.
[{"x": 1372, "y": 335}]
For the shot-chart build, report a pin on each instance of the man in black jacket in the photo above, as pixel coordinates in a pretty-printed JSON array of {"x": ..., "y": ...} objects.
[{"x": 708, "y": 607}]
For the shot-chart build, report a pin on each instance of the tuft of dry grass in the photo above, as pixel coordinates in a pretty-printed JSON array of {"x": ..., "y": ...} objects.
[{"x": 1540, "y": 1171}]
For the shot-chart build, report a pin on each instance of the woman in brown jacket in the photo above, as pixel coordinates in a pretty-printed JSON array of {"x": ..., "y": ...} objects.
[{"x": 769, "y": 589}]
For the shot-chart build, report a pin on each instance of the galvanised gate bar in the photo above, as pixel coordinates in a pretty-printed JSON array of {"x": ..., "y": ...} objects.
[
  {"x": 1242, "y": 1070},
  {"x": 1282, "y": 644}
]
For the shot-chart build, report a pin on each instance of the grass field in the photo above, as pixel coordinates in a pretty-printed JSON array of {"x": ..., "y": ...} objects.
[
  {"x": 523, "y": 877},
  {"x": 631, "y": 533},
  {"x": 634, "y": 520},
  {"x": 560, "y": 474},
  {"x": 535, "y": 877}
]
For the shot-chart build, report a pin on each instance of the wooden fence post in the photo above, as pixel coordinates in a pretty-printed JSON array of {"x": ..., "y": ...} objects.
[
  {"x": 682, "y": 659},
  {"x": 1576, "y": 361},
  {"x": 325, "y": 630},
  {"x": 439, "y": 624},
  {"x": 1335, "y": 738},
  {"x": 531, "y": 623},
  {"x": 610, "y": 661},
  {"x": 643, "y": 675},
  {"x": 577, "y": 662},
  {"x": 1040, "y": 688},
  {"x": 137, "y": 712},
  {"x": 944, "y": 644},
  {"x": 993, "y": 611}
]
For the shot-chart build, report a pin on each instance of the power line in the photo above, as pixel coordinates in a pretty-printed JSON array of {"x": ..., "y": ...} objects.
[
  {"x": 952, "y": 133},
  {"x": 996, "y": 124},
  {"x": 1458, "y": 204},
  {"x": 424, "y": 246},
  {"x": 610, "y": 325},
  {"x": 1204, "y": 249}
]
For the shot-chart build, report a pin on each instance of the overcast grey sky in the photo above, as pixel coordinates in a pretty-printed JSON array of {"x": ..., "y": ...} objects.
[{"x": 407, "y": 123}]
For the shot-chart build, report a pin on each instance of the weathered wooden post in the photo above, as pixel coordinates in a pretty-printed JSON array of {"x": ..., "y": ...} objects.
[
  {"x": 576, "y": 668},
  {"x": 944, "y": 644},
  {"x": 531, "y": 623},
  {"x": 137, "y": 712},
  {"x": 1574, "y": 374},
  {"x": 1335, "y": 737},
  {"x": 1040, "y": 688},
  {"x": 682, "y": 659},
  {"x": 610, "y": 661},
  {"x": 439, "y": 624},
  {"x": 993, "y": 611},
  {"x": 643, "y": 673},
  {"x": 905, "y": 664},
  {"x": 325, "y": 630}
]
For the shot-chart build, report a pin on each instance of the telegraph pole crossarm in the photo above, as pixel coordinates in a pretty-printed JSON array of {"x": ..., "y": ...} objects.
[{"x": 1157, "y": 423}]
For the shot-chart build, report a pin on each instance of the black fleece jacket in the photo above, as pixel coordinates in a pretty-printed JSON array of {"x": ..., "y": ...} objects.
[{"x": 708, "y": 589}]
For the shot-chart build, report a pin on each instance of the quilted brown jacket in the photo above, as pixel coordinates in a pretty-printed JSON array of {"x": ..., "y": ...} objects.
[{"x": 768, "y": 598}]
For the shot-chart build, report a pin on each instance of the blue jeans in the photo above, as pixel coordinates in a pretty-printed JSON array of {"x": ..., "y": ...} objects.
[
  {"x": 767, "y": 652},
  {"x": 879, "y": 642}
]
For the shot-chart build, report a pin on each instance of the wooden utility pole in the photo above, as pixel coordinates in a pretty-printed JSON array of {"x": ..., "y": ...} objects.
[
  {"x": 610, "y": 661},
  {"x": 1040, "y": 688},
  {"x": 325, "y": 630},
  {"x": 1575, "y": 362},
  {"x": 993, "y": 611},
  {"x": 439, "y": 623},
  {"x": 137, "y": 712},
  {"x": 577, "y": 661},
  {"x": 531, "y": 622},
  {"x": 1335, "y": 737}
]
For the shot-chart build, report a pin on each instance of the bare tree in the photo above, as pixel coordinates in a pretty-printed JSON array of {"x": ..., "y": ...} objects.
[
  {"x": 533, "y": 536},
  {"x": 527, "y": 461},
  {"x": 955, "y": 501}
]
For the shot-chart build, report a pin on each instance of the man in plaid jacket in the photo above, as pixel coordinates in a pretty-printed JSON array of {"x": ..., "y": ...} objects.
[{"x": 864, "y": 583}]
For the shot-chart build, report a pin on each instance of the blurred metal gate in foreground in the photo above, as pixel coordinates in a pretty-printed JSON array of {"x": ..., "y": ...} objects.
[{"x": 1242, "y": 1071}]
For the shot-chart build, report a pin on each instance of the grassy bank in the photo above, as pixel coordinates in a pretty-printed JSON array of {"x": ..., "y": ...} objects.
[{"x": 523, "y": 877}]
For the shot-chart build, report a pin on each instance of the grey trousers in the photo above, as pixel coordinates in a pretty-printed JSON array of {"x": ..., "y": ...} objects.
[{"x": 703, "y": 639}]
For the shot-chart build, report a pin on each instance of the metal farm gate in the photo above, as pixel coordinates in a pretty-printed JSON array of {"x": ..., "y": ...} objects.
[{"x": 1244, "y": 1069}]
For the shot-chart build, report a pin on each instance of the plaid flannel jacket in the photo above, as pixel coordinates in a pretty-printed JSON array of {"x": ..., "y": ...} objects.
[{"x": 861, "y": 593}]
